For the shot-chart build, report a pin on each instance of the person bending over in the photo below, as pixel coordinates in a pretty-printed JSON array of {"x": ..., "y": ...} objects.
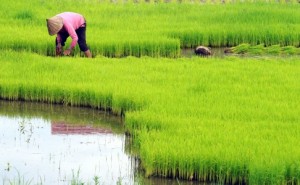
[{"x": 68, "y": 24}]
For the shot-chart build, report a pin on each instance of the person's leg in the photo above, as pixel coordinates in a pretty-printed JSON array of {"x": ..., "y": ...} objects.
[
  {"x": 88, "y": 53},
  {"x": 82, "y": 41}
]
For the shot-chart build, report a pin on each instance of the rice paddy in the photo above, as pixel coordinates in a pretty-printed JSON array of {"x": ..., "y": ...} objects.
[
  {"x": 226, "y": 120},
  {"x": 153, "y": 29}
]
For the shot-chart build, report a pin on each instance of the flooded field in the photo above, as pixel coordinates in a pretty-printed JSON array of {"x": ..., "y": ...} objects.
[
  {"x": 60, "y": 145},
  {"x": 53, "y": 144}
]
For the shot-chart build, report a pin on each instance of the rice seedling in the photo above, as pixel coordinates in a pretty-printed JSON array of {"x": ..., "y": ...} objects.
[
  {"x": 274, "y": 49},
  {"x": 19, "y": 180},
  {"x": 153, "y": 29},
  {"x": 261, "y": 49},
  {"x": 290, "y": 50},
  {"x": 203, "y": 119},
  {"x": 241, "y": 49},
  {"x": 224, "y": 120},
  {"x": 76, "y": 179},
  {"x": 257, "y": 49}
]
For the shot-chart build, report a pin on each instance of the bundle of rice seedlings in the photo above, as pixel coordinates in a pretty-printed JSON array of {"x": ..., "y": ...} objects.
[
  {"x": 241, "y": 49},
  {"x": 274, "y": 49}
]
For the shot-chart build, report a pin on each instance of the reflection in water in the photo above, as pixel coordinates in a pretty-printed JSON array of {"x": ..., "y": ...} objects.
[
  {"x": 62, "y": 127},
  {"x": 43, "y": 144}
]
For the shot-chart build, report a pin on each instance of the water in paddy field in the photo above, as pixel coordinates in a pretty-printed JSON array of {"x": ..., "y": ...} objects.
[
  {"x": 43, "y": 144},
  {"x": 54, "y": 144}
]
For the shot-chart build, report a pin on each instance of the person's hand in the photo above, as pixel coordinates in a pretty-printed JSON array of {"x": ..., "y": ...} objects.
[
  {"x": 67, "y": 52},
  {"x": 58, "y": 50}
]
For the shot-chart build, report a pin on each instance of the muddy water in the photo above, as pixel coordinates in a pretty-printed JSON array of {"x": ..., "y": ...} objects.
[{"x": 53, "y": 144}]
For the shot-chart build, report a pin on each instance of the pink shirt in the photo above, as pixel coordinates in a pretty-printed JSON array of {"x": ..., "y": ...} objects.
[{"x": 71, "y": 22}]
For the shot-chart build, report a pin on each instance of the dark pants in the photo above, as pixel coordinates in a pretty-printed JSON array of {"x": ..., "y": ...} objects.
[{"x": 81, "y": 38}]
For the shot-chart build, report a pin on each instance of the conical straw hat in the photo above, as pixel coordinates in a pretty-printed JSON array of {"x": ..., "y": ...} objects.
[{"x": 54, "y": 24}]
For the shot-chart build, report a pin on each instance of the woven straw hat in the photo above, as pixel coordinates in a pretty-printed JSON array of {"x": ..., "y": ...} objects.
[{"x": 54, "y": 24}]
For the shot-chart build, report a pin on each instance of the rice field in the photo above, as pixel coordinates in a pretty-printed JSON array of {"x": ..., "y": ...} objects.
[
  {"x": 228, "y": 120},
  {"x": 225, "y": 120},
  {"x": 153, "y": 29}
]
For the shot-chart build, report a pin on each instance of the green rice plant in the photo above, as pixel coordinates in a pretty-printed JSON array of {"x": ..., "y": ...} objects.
[
  {"x": 24, "y": 15},
  {"x": 76, "y": 179},
  {"x": 153, "y": 29},
  {"x": 20, "y": 180},
  {"x": 203, "y": 119},
  {"x": 261, "y": 49},
  {"x": 257, "y": 49},
  {"x": 274, "y": 49},
  {"x": 290, "y": 50},
  {"x": 241, "y": 49},
  {"x": 230, "y": 120},
  {"x": 96, "y": 180}
]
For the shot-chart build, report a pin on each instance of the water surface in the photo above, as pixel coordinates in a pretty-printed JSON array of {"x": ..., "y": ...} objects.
[{"x": 48, "y": 144}]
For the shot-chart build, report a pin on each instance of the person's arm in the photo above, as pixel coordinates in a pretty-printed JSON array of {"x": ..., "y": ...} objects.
[
  {"x": 69, "y": 28},
  {"x": 58, "y": 45},
  {"x": 58, "y": 38}
]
